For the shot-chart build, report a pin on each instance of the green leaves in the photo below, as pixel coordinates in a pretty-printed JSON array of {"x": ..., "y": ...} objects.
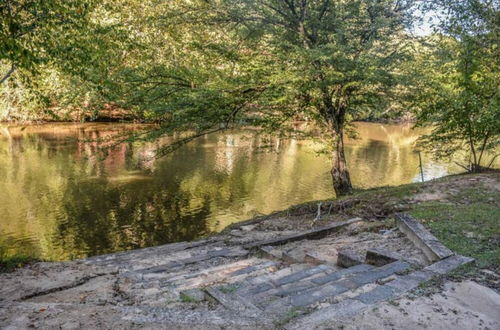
[
  {"x": 458, "y": 93},
  {"x": 32, "y": 32}
]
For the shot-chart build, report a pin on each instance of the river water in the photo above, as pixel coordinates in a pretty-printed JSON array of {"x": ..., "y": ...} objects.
[{"x": 61, "y": 199}]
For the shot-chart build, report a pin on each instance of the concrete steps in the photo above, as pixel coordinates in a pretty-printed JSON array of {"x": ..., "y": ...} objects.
[
  {"x": 393, "y": 289},
  {"x": 336, "y": 286},
  {"x": 278, "y": 295},
  {"x": 297, "y": 284},
  {"x": 287, "y": 275}
]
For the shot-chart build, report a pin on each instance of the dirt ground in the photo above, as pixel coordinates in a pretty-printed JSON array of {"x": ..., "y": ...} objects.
[{"x": 461, "y": 306}]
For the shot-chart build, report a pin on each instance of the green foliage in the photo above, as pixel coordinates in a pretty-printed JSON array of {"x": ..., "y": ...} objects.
[
  {"x": 187, "y": 299},
  {"x": 34, "y": 32},
  {"x": 228, "y": 289},
  {"x": 10, "y": 264},
  {"x": 48, "y": 95},
  {"x": 458, "y": 90},
  {"x": 213, "y": 65},
  {"x": 197, "y": 67},
  {"x": 56, "y": 57},
  {"x": 327, "y": 60}
]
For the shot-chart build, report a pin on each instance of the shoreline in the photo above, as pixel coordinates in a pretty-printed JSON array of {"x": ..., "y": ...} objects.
[
  {"x": 397, "y": 121},
  {"x": 379, "y": 203}
]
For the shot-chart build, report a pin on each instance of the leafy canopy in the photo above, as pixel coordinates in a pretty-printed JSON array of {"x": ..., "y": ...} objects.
[{"x": 459, "y": 92}]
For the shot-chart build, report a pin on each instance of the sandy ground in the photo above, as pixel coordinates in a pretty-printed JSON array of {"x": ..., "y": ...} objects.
[{"x": 461, "y": 306}]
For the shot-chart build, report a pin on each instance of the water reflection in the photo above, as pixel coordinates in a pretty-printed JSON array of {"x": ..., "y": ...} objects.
[{"x": 59, "y": 200}]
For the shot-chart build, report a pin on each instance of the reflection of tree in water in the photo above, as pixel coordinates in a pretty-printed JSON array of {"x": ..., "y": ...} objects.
[
  {"x": 71, "y": 203},
  {"x": 101, "y": 217},
  {"x": 377, "y": 162},
  {"x": 174, "y": 204}
]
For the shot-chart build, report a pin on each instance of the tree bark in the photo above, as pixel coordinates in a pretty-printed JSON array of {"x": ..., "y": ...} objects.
[
  {"x": 335, "y": 118},
  {"x": 340, "y": 175}
]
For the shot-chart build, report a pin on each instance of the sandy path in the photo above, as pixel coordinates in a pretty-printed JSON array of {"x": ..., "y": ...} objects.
[{"x": 461, "y": 306}]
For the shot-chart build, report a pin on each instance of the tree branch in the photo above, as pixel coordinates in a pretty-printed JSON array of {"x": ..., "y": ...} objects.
[
  {"x": 462, "y": 166},
  {"x": 492, "y": 161},
  {"x": 8, "y": 74}
]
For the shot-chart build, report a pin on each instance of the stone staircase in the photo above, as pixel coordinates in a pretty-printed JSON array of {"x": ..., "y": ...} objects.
[
  {"x": 265, "y": 283},
  {"x": 284, "y": 291},
  {"x": 314, "y": 293},
  {"x": 260, "y": 285}
]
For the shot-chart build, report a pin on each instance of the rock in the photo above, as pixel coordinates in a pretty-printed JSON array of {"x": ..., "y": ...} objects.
[
  {"x": 446, "y": 265},
  {"x": 379, "y": 273},
  {"x": 330, "y": 314},
  {"x": 422, "y": 238},
  {"x": 341, "y": 273},
  {"x": 193, "y": 295},
  {"x": 270, "y": 252},
  {"x": 311, "y": 258},
  {"x": 347, "y": 258},
  {"x": 387, "y": 231},
  {"x": 405, "y": 283},
  {"x": 380, "y": 257},
  {"x": 317, "y": 233},
  {"x": 248, "y": 227},
  {"x": 317, "y": 258},
  {"x": 237, "y": 233},
  {"x": 293, "y": 256},
  {"x": 490, "y": 273},
  {"x": 234, "y": 302},
  {"x": 378, "y": 294},
  {"x": 297, "y": 276},
  {"x": 317, "y": 294}
]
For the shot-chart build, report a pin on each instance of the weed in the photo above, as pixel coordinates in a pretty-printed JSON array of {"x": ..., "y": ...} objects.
[
  {"x": 9, "y": 264},
  {"x": 229, "y": 288}
]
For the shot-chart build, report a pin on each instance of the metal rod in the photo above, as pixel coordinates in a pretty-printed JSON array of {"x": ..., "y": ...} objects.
[{"x": 421, "y": 167}]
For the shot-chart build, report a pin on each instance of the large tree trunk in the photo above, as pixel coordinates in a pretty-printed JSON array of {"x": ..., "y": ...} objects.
[
  {"x": 340, "y": 175},
  {"x": 334, "y": 116}
]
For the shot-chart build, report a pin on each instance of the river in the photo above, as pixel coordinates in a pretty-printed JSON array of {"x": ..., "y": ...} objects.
[{"x": 60, "y": 199}]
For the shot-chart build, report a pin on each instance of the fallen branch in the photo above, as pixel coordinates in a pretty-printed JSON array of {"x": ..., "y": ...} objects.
[{"x": 318, "y": 214}]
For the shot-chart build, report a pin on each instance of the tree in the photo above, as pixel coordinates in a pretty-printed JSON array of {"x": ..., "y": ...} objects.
[
  {"x": 34, "y": 32},
  {"x": 58, "y": 55},
  {"x": 458, "y": 94},
  {"x": 200, "y": 66},
  {"x": 277, "y": 61},
  {"x": 342, "y": 55}
]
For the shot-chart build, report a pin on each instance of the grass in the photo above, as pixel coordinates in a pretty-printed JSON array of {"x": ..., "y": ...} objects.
[
  {"x": 187, "y": 299},
  {"x": 463, "y": 211},
  {"x": 388, "y": 192},
  {"x": 468, "y": 225},
  {"x": 467, "y": 220},
  {"x": 290, "y": 315},
  {"x": 9, "y": 264},
  {"x": 228, "y": 289}
]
